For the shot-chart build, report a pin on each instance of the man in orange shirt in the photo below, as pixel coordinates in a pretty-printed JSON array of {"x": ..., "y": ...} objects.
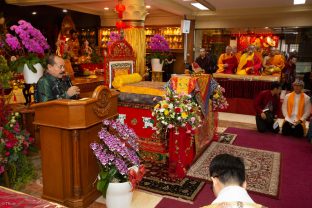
[
  {"x": 274, "y": 63},
  {"x": 227, "y": 62}
]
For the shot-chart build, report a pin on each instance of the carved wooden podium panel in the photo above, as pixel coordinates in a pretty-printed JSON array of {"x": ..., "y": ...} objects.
[{"x": 67, "y": 127}]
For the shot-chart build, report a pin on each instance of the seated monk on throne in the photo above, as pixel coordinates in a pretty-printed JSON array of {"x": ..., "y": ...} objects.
[
  {"x": 274, "y": 63},
  {"x": 227, "y": 62},
  {"x": 249, "y": 63}
]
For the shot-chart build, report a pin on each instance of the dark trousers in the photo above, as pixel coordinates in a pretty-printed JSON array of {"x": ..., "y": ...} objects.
[
  {"x": 289, "y": 129},
  {"x": 264, "y": 125}
]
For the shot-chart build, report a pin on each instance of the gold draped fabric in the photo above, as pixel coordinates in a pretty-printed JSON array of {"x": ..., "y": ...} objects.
[{"x": 136, "y": 38}]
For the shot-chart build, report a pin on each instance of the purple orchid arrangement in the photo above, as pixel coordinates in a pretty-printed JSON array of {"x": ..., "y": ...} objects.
[
  {"x": 113, "y": 36},
  {"x": 159, "y": 44},
  {"x": 27, "y": 44},
  {"x": 116, "y": 153},
  {"x": 159, "y": 47}
]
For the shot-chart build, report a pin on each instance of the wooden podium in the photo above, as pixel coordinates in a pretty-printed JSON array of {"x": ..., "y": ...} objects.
[{"x": 67, "y": 127}]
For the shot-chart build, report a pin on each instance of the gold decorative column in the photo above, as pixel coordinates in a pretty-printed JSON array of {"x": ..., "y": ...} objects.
[{"x": 134, "y": 17}]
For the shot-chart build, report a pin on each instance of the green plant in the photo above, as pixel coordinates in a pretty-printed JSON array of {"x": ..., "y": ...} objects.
[{"x": 6, "y": 74}]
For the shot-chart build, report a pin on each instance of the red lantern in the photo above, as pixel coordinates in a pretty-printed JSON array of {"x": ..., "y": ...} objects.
[
  {"x": 120, "y": 24},
  {"x": 120, "y": 8}
]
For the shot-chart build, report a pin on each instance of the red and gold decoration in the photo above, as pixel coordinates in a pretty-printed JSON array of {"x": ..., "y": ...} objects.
[{"x": 264, "y": 41}]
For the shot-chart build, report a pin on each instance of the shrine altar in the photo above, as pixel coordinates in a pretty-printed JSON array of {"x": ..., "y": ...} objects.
[
  {"x": 240, "y": 90},
  {"x": 135, "y": 104}
]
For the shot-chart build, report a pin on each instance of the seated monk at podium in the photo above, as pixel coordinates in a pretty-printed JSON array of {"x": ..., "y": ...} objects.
[
  {"x": 227, "y": 62},
  {"x": 249, "y": 63},
  {"x": 274, "y": 63},
  {"x": 54, "y": 84}
]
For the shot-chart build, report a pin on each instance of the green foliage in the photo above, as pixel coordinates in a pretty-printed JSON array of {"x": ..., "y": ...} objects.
[
  {"x": 30, "y": 60},
  {"x": 19, "y": 172},
  {"x": 6, "y": 74},
  {"x": 106, "y": 175}
]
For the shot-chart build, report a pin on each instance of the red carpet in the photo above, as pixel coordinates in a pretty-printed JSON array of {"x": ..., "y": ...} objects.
[{"x": 296, "y": 171}]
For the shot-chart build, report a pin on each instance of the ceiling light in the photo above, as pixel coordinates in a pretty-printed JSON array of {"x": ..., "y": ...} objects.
[
  {"x": 199, "y": 6},
  {"x": 266, "y": 27},
  {"x": 106, "y": 8},
  {"x": 34, "y": 13},
  {"x": 296, "y": 2},
  {"x": 65, "y": 10},
  {"x": 148, "y": 6}
]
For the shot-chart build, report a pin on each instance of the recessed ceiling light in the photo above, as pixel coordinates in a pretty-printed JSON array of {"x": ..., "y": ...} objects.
[
  {"x": 199, "y": 6},
  {"x": 296, "y": 2},
  {"x": 34, "y": 13},
  {"x": 65, "y": 10},
  {"x": 148, "y": 6},
  {"x": 266, "y": 27},
  {"x": 106, "y": 8}
]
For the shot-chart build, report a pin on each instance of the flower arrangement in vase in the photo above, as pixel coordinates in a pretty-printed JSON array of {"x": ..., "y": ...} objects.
[
  {"x": 218, "y": 100},
  {"x": 159, "y": 51},
  {"x": 177, "y": 110},
  {"x": 15, "y": 143},
  {"x": 26, "y": 45},
  {"x": 117, "y": 155}
]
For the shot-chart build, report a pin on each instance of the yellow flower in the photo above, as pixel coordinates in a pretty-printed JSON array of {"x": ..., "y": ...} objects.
[
  {"x": 166, "y": 112},
  {"x": 156, "y": 106},
  {"x": 184, "y": 115}
]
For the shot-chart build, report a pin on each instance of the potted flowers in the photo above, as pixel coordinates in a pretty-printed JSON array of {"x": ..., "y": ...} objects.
[
  {"x": 15, "y": 143},
  {"x": 119, "y": 164},
  {"x": 28, "y": 46},
  {"x": 159, "y": 47}
]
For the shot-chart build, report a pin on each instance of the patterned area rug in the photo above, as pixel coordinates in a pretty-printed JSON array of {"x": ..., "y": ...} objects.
[
  {"x": 227, "y": 138},
  {"x": 262, "y": 167},
  {"x": 158, "y": 180}
]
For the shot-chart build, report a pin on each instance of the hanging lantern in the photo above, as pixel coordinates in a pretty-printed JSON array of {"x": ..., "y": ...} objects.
[
  {"x": 120, "y": 25},
  {"x": 120, "y": 8}
]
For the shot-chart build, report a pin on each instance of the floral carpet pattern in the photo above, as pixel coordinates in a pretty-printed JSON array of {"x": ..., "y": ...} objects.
[
  {"x": 158, "y": 180},
  {"x": 262, "y": 167},
  {"x": 227, "y": 138}
]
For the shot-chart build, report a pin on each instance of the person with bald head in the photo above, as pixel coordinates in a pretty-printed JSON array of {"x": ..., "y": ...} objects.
[
  {"x": 274, "y": 63},
  {"x": 249, "y": 63},
  {"x": 206, "y": 61},
  {"x": 227, "y": 62}
]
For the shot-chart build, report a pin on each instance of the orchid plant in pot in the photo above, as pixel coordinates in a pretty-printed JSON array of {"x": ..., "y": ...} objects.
[
  {"x": 119, "y": 163},
  {"x": 27, "y": 47},
  {"x": 160, "y": 48}
]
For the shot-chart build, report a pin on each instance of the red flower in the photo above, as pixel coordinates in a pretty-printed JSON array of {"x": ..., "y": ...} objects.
[
  {"x": 7, "y": 153},
  {"x": 177, "y": 110}
]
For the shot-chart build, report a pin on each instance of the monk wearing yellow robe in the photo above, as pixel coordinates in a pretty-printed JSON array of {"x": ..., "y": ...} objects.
[
  {"x": 227, "y": 62},
  {"x": 274, "y": 63},
  {"x": 249, "y": 63}
]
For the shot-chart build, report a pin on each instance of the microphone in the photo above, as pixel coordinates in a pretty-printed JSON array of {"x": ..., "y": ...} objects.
[{"x": 70, "y": 84}]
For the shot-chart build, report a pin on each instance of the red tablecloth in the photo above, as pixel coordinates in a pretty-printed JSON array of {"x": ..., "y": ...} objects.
[{"x": 243, "y": 88}]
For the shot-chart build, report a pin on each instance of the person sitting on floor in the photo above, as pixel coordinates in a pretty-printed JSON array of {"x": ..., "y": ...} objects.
[
  {"x": 227, "y": 62},
  {"x": 227, "y": 173},
  {"x": 267, "y": 104},
  {"x": 296, "y": 109},
  {"x": 249, "y": 63}
]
